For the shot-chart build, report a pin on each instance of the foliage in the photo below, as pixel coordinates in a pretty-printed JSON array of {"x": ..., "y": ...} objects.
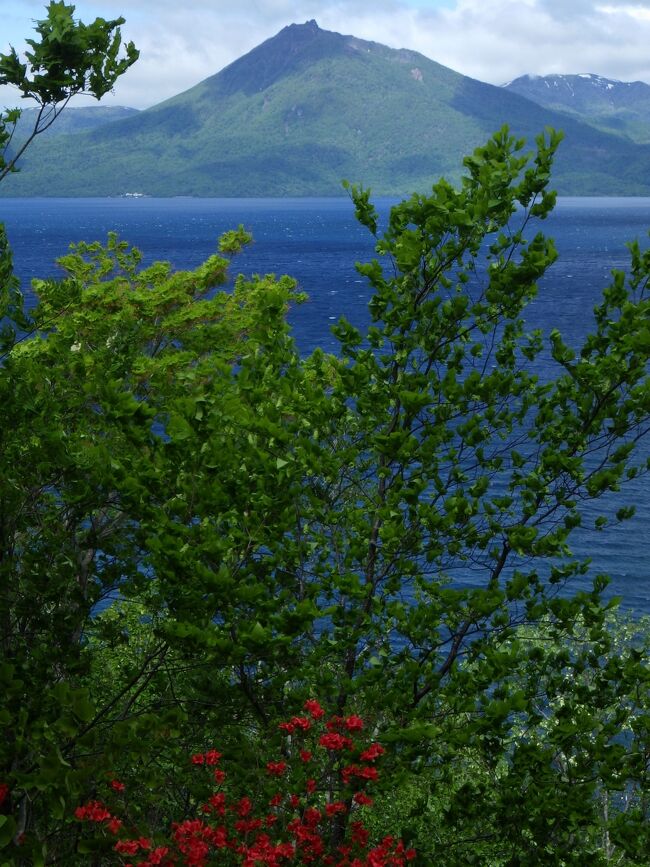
[
  {"x": 323, "y": 774},
  {"x": 388, "y": 528},
  {"x": 78, "y": 453},
  {"x": 69, "y": 57}
]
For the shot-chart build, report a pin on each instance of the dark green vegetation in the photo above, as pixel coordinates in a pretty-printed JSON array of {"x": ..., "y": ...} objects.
[
  {"x": 308, "y": 108},
  {"x": 280, "y": 527},
  {"x": 619, "y": 107}
]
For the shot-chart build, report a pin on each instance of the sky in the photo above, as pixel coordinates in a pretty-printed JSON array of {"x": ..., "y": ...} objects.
[{"x": 182, "y": 42}]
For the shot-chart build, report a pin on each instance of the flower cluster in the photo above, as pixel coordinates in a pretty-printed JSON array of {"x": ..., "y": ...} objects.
[{"x": 313, "y": 819}]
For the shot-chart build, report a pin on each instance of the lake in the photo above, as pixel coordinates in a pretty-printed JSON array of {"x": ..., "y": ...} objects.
[{"x": 317, "y": 241}]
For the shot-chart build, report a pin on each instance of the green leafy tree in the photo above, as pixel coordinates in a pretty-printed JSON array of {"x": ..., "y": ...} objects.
[
  {"x": 68, "y": 58},
  {"x": 80, "y": 457},
  {"x": 377, "y": 525},
  {"x": 374, "y": 528}
]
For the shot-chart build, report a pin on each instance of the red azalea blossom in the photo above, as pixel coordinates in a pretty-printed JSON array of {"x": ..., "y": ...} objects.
[
  {"x": 114, "y": 825},
  {"x": 245, "y": 826},
  {"x": 218, "y": 803},
  {"x": 373, "y": 752},
  {"x": 130, "y": 847},
  {"x": 212, "y": 757},
  {"x": 244, "y": 807},
  {"x": 276, "y": 769},
  {"x": 312, "y": 816},
  {"x": 156, "y": 856},
  {"x": 363, "y": 799},
  {"x": 296, "y": 722},
  {"x": 314, "y": 708},
  {"x": 246, "y": 833},
  {"x": 359, "y": 833},
  {"x": 4, "y": 791},
  {"x": 93, "y": 811},
  {"x": 126, "y": 847},
  {"x": 334, "y": 741},
  {"x": 356, "y": 771}
]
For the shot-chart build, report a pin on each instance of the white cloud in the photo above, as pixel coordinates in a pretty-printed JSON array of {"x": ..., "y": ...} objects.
[
  {"x": 638, "y": 13},
  {"x": 492, "y": 40}
]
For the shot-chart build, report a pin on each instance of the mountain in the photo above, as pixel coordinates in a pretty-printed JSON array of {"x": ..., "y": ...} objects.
[
  {"x": 307, "y": 108},
  {"x": 74, "y": 119},
  {"x": 621, "y": 107}
]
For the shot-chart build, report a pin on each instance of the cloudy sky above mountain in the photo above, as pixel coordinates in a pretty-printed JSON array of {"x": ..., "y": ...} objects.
[{"x": 492, "y": 40}]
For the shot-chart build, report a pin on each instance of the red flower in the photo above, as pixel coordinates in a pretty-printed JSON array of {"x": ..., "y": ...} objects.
[
  {"x": 310, "y": 786},
  {"x": 244, "y": 807},
  {"x": 130, "y": 847},
  {"x": 335, "y": 807},
  {"x": 314, "y": 708},
  {"x": 218, "y": 803},
  {"x": 198, "y": 759},
  {"x": 276, "y": 800},
  {"x": 212, "y": 757},
  {"x": 373, "y": 752},
  {"x": 305, "y": 756},
  {"x": 117, "y": 786},
  {"x": 359, "y": 834},
  {"x": 354, "y": 723},
  {"x": 156, "y": 856},
  {"x": 114, "y": 825},
  {"x": 312, "y": 816},
  {"x": 334, "y": 741},
  {"x": 356, "y": 771},
  {"x": 219, "y": 776},
  {"x": 4, "y": 791},
  {"x": 127, "y": 847},
  {"x": 276, "y": 769},
  {"x": 363, "y": 799},
  {"x": 93, "y": 811}
]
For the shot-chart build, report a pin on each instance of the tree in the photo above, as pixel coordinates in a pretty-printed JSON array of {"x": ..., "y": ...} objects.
[
  {"x": 311, "y": 514},
  {"x": 374, "y": 528},
  {"x": 68, "y": 58},
  {"x": 78, "y": 453}
]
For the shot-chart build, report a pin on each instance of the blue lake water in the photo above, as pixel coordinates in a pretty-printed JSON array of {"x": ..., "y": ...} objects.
[{"x": 317, "y": 241}]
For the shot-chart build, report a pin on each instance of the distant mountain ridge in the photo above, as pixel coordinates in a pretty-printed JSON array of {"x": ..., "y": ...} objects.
[
  {"x": 620, "y": 107},
  {"x": 75, "y": 119},
  {"x": 309, "y": 107}
]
